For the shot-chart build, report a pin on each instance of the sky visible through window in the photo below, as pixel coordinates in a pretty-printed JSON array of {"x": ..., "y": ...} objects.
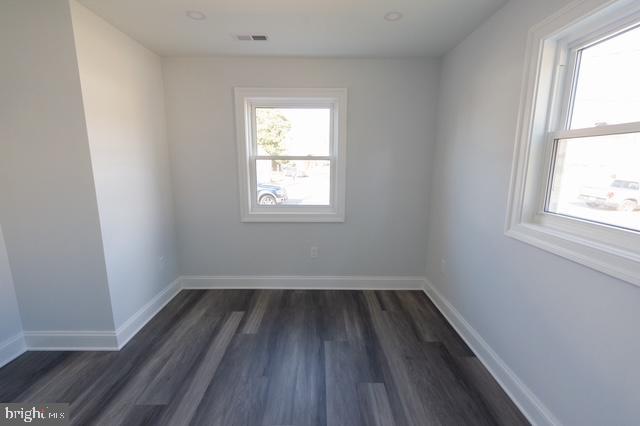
[{"x": 608, "y": 86}]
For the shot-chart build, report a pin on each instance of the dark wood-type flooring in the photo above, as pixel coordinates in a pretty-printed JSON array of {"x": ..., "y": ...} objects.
[{"x": 274, "y": 358}]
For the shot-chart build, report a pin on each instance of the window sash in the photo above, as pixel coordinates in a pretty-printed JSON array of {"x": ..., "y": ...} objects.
[
  {"x": 569, "y": 60},
  {"x": 561, "y": 105},
  {"x": 550, "y": 163},
  {"x": 302, "y": 103},
  {"x": 253, "y": 191},
  {"x": 284, "y": 103},
  {"x": 615, "y": 240}
]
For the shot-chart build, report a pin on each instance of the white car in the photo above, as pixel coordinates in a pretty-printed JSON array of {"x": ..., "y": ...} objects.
[{"x": 621, "y": 195}]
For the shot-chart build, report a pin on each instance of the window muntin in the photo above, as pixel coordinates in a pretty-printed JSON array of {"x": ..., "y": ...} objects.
[
  {"x": 291, "y": 154},
  {"x": 600, "y": 145}
]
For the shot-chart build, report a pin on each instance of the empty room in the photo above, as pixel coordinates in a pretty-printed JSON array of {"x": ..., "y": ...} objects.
[{"x": 320, "y": 212}]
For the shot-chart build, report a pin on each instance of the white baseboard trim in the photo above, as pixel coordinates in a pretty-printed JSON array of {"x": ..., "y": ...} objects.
[
  {"x": 535, "y": 411},
  {"x": 101, "y": 340},
  {"x": 52, "y": 340},
  {"x": 12, "y": 348},
  {"x": 130, "y": 327},
  {"x": 115, "y": 340},
  {"x": 301, "y": 282}
]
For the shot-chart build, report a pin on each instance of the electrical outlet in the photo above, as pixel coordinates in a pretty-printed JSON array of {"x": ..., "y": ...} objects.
[{"x": 314, "y": 252}]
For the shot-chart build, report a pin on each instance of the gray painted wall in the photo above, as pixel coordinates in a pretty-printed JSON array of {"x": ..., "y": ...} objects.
[
  {"x": 10, "y": 323},
  {"x": 570, "y": 333},
  {"x": 391, "y": 115},
  {"x": 48, "y": 206},
  {"x": 123, "y": 96}
]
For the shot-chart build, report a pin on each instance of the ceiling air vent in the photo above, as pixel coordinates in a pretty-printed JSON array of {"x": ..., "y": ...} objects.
[{"x": 252, "y": 37}]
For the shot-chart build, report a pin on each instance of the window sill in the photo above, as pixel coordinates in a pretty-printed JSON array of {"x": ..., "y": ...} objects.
[
  {"x": 284, "y": 217},
  {"x": 602, "y": 257}
]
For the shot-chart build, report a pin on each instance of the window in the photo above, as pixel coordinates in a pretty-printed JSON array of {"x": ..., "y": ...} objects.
[
  {"x": 576, "y": 171},
  {"x": 291, "y": 147},
  {"x": 596, "y": 156}
]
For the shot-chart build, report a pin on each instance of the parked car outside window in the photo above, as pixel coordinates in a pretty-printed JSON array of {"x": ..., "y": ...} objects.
[
  {"x": 620, "y": 195},
  {"x": 269, "y": 195}
]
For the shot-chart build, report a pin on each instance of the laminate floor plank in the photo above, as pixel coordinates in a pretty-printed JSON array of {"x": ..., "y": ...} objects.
[
  {"x": 425, "y": 321},
  {"x": 346, "y": 366},
  {"x": 275, "y": 358},
  {"x": 237, "y": 393},
  {"x": 503, "y": 409},
  {"x": 332, "y": 306},
  {"x": 192, "y": 335},
  {"x": 155, "y": 381},
  {"x": 28, "y": 371},
  {"x": 431, "y": 324},
  {"x": 143, "y": 415},
  {"x": 442, "y": 390},
  {"x": 389, "y": 300},
  {"x": 374, "y": 405},
  {"x": 242, "y": 404},
  {"x": 70, "y": 379},
  {"x": 253, "y": 318},
  {"x": 188, "y": 402},
  {"x": 296, "y": 390},
  {"x": 408, "y": 407},
  {"x": 89, "y": 406}
]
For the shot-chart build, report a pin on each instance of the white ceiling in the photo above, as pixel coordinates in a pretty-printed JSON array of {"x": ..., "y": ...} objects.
[{"x": 297, "y": 27}]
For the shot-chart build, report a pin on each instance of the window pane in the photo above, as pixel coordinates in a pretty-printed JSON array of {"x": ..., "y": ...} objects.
[
  {"x": 293, "y": 182},
  {"x": 293, "y": 131},
  {"x": 608, "y": 85},
  {"x": 598, "y": 179}
]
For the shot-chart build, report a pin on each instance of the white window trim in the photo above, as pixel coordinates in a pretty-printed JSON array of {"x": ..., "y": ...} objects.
[
  {"x": 611, "y": 250},
  {"x": 247, "y": 99}
]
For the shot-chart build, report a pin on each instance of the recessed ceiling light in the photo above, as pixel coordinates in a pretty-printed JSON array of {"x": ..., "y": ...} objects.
[
  {"x": 196, "y": 15},
  {"x": 393, "y": 16}
]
